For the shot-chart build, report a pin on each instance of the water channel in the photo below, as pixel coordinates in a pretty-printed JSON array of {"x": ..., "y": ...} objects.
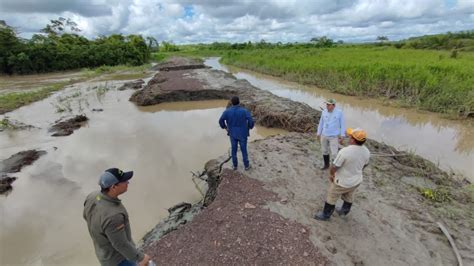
[
  {"x": 447, "y": 143},
  {"x": 41, "y": 219}
]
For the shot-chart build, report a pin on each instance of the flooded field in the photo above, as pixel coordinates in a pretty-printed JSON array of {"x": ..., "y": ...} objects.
[
  {"x": 41, "y": 219},
  {"x": 449, "y": 143}
]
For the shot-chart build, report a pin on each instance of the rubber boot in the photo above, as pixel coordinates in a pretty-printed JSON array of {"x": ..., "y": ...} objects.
[
  {"x": 345, "y": 209},
  {"x": 326, "y": 213},
  {"x": 326, "y": 162}
]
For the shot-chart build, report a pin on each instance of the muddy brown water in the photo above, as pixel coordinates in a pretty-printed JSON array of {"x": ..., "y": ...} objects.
[
  {"x": 448, "y": 143},
  {"x": 41, "y": 219}
]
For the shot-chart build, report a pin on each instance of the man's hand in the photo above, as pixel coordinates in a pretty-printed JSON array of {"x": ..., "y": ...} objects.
[
  {"x": 145, "y": 260},
  {"x": 341, "y": 140},
  {"x": 318, "y": 137},
  {"x": 331, "y": 178}
]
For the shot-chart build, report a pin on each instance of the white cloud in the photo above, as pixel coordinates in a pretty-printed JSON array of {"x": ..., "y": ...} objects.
[{"x": 186, "y": 21}]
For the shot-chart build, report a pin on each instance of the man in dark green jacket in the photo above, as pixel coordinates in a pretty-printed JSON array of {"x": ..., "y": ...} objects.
[{"x": 108, "y": 224}]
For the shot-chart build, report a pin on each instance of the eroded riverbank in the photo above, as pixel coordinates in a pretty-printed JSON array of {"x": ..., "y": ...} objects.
[{"x": 445, "y": 142}]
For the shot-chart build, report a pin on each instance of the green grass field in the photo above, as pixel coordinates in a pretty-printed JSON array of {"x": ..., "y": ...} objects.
[{"x": 425, "y": 79}]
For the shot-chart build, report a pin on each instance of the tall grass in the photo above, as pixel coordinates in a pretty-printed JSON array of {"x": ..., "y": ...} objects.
[{"x": 426, "y": 79}]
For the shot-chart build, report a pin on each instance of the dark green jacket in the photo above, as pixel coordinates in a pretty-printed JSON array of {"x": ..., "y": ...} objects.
[{"x": 107, "y": 220}]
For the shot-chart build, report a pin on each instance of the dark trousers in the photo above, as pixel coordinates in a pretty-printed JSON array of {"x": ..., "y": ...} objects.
[
  {"x": 127, "y": 263},
  {"x": 243, "y": 148}
]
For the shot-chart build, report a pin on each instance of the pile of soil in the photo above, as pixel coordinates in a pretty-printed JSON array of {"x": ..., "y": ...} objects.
[
  {"x": 204, "y": 84},
  {"x": 237, "y": 229},
  {"x": 67, "y": 127}
]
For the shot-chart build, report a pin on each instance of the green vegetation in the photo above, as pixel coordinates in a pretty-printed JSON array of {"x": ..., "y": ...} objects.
[
  {"x": 463, "y": 41},
  {"x": 430, "y": 80},
  {"x": 61, "y": 48},
  {"x": 434, "y": 80},
  {"x": 441, "y": 194},
  {"x": 11, "y": 101}
]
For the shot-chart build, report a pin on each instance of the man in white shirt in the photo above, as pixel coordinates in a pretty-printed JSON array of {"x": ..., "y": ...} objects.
[
  {"x": 346, "y": 174},
  {"x": 330, "y": 131}
]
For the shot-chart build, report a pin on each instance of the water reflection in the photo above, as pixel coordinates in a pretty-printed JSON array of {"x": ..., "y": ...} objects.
[
  {"x": 41, "y": 220},
  {"x": 449, "y": 143}
]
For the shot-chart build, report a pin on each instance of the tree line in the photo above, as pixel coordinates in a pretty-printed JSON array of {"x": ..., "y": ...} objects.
[
  {"x": 60, "y": 47},
  {"x": 463, "y": 40}
]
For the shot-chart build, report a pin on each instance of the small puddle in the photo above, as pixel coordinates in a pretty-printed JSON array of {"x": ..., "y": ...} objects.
[
  {"x": 41, "y": 220},
  {"x": 448, "y": 143}
]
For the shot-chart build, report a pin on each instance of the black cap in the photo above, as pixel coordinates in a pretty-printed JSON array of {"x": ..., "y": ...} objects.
[{"x": 113, "y": 176}]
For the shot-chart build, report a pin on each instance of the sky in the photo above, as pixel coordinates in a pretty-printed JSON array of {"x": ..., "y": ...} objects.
[{"x": 206, "y": 21}]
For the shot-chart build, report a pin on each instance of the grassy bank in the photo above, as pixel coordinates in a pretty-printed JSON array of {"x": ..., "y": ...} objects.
[
  {"x": 13, "y": 100},
  {"x": 426, "y": 79}
]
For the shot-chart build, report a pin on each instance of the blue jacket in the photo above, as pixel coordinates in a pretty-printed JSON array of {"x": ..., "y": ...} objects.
[{"x": 237, "y": 120}]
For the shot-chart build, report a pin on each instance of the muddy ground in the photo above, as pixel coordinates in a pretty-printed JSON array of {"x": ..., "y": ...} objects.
[
  {"x": 264, "y": 216},
  {"x": 65, "y": 127}
]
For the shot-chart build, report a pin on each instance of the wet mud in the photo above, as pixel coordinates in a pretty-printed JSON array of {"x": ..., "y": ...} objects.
[
  {"x": 179, "y": 63},
  {"x": 132, "y": 85},
  {"x": 17, "y": 161},
  {"x": 14, "y": 164},
  {"x": 6, "y": 183},
  {"x": 262, "y": 211},
  {"x": 67, "y": 127}
]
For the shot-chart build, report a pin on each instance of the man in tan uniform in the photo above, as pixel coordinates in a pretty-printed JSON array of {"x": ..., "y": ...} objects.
[
  {"x": 108, "y": 223},
  {"x": 346, "y": 174}
]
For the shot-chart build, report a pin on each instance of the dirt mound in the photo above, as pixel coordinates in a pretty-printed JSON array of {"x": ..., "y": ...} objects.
[
  {"x": 179, "y": 63},
  {"x": 238, "y": 229},
  {"x": 204, "y": 84},
  {"x": 67, "y": 127}
]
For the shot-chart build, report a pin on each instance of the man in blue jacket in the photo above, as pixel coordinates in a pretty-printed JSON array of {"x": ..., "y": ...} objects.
[{"x": 237, "y": 121}]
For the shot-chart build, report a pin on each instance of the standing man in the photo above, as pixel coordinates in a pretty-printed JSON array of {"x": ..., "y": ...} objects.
[
  {"x": 108, "y": 224},
  {"x": 237, "y": 121},
  {"x": 346, "y": 174},
  {"x": 330, "y": 131}
]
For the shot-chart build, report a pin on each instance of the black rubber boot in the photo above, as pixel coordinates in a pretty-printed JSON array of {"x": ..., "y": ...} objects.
[
  {"x": 326, "y": 162},
  {"x": 345, "y": 209},
  {"x": 326, "y": 213}
]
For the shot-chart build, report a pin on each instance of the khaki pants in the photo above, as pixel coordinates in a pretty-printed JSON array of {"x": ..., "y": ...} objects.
[
  {"x": 335, "y": 192},
  {"x": 330, "y": 145}
]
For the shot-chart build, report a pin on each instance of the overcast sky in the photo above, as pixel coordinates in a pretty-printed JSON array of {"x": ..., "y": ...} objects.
[{"x": 187, "y": 21}]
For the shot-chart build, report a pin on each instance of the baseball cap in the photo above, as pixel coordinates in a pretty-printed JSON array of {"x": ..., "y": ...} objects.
[
  {"x": 330, "y": 101},
  {"x": 113, "y": 176},
  {"x": 357, "y": 133}
]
